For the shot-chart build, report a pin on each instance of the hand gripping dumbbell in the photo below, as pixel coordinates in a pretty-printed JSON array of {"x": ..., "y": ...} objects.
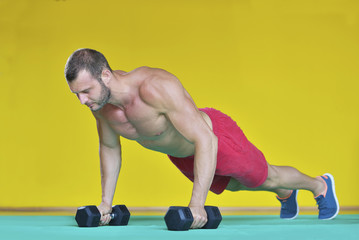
[
  {"x": 181, "y": 218},
  {"x": 89, "y": 216}
]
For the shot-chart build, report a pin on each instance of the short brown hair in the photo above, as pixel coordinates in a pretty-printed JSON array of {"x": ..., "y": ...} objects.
[{"x": 85, "y": 59}]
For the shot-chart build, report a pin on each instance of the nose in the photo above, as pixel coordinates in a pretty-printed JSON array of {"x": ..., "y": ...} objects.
[{"x": 82, "y": 97}]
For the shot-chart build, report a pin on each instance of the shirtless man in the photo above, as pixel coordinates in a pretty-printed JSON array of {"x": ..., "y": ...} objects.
[{"x": 152, "y": 107}]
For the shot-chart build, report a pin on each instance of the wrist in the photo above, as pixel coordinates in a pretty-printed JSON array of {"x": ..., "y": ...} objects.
[
  {"x": 198, "y": 199},
  {"x": 196, "y": 203},
  {"x": 107, "y": 201}
]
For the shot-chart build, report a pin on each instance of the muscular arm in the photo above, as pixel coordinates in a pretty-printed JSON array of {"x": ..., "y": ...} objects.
[
  {"x": 165, "y": 92},
  {"x": 110, "y": 164}
]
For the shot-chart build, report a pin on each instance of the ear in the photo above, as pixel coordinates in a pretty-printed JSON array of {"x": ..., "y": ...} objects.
[{"x": 106, "y": 76}]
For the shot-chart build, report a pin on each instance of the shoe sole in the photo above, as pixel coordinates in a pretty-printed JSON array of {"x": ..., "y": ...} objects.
[{"x": 335, "y": 196}]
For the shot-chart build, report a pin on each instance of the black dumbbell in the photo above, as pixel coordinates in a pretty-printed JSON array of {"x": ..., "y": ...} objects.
[
  {"x": 181, "y": 219},
  {"x": 89, "y": 216}
]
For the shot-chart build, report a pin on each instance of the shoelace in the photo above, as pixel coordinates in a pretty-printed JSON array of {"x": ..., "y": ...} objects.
[
  {"x": 285, "y": 204},
  {"x": 322, "y": 203}
]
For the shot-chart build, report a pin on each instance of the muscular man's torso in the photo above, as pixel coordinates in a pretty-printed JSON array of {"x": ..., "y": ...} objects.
[{"x": 140, "y": 122}]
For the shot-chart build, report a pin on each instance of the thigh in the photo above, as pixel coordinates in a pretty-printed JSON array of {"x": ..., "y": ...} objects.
[{"x": 234, "y": 185}]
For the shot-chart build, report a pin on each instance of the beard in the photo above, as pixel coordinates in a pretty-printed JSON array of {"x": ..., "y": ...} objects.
[{"x": 105, "y": 96}]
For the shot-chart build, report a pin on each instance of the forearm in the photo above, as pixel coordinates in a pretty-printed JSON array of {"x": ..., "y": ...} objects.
[
  {"x": 204, "y": 169},
  {"x": 110, "y": 163}
]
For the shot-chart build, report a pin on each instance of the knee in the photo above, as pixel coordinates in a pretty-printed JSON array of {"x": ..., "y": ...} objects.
[
  {"x": 233, "y": 185},
  {"x": 273, "y": 178}
]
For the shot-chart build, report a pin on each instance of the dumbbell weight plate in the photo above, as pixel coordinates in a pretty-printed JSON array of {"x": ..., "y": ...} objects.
[
  {"x": 178, "y": 218},
  {"x": 121, "y": 215},
  {"x": 214, "y": 217},
  {"x": 88, "y": 216}
]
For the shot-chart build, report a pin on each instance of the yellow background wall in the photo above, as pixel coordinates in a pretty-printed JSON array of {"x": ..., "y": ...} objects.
[{"x": 286, "y": 71}]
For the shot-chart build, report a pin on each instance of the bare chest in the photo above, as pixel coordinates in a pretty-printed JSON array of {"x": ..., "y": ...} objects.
[{"x": 136, "y": 122}]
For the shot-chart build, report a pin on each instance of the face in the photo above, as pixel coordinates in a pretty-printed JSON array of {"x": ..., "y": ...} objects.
[{"x": 90, "y": 91}]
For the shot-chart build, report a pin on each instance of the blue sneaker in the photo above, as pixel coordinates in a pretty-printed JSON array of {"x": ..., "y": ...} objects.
[
  {"x": 289, "y": 209},
  {"x": 328, "y": 203}
]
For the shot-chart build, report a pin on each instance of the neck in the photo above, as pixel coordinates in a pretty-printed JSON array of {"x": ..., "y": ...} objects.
[{"x": 121, "y": 91}]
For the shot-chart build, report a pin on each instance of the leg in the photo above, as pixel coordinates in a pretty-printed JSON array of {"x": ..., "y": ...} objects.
[
  {"x": 282, "y": 179},
  {"x": 289, "y": 178},
  {"x": 285, "y": 181}
]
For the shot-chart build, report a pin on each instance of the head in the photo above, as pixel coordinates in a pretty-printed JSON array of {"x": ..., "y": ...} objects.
[{"x": 88, "y": 73}]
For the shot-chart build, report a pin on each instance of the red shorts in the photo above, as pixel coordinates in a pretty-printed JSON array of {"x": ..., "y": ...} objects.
[{"x": 237, "y": 157}]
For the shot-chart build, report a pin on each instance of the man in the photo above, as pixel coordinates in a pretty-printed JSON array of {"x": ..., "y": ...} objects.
[{"x": 151, "y": 106}]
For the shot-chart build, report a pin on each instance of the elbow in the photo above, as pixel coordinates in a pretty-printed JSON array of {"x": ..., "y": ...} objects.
[
  {"x": 208, "y": 142},
  {"x": 115, "y": 144}
]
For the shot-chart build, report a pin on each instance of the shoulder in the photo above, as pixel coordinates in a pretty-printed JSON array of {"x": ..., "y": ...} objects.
[
  {"x": 159, "y": 87},
  {"x": 156, "y": 79},
  {"x": 151, "y": 73}
]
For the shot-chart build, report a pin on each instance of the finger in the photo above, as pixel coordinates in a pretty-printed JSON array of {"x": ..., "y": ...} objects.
[
  {"x": 193, "y": 224},
  {"x": 196, "y": 223},
  {"x": 102, "y": 220},
  {"x": 202, "y": 223},
  {"x": 101, "y": 223},
  {"x": 199, "y": 222},
  {"x": 108, "y": 219},
  {"x": 105, "y": 219}
]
